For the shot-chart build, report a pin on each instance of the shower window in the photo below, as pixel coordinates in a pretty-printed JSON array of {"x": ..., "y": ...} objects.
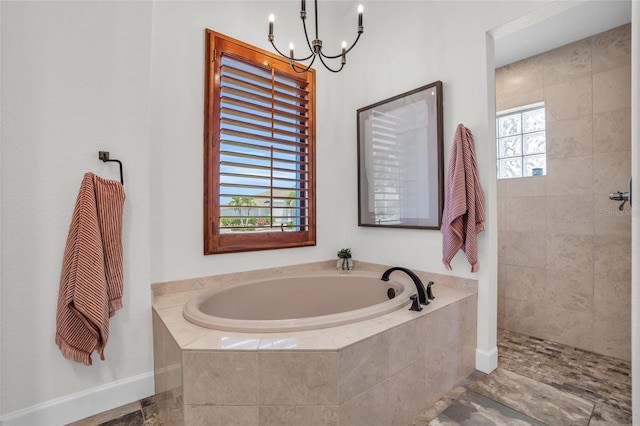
[
  {"x": 521, "y": 139},
  {"x": 259, "y": 145}
]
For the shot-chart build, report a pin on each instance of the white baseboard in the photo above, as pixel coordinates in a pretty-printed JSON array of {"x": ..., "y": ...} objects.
[
  {"x": 487, "y": 361},
  {"x": 83, "y": 404}
]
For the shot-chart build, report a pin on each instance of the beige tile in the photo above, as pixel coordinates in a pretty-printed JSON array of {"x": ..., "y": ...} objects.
[
  {"x": 525, "y": 187},
  {"x": 569, "y": 138},
  {"x": 522, "y": 76},
  {"x": 502, "y": 244},
  {"x": 171, "y": 410},
  {"x": 524, "y": 317},
  {"x": 220, "y": 378},
  {"x": 468, "y": 314},
  {"x": 209, "y": 415},
  {"x": 612, "y": 89},
  {"x": 570, "y": 215},
  {"x": 294, "y": 416},
  {"x": 524, "y": 283},
  {"x": 525, "y": 249},
  {"x": 502, "y": 286},
  {"x": 571, "y": 290},
  {"x": 178, "y": 286},
  {"x": 569, "y": 327},
  {"x": 609, "y": 219},
  {"x": 612, "y": 49},
  {"x": 440, "y": 332},
  {"x": 298, "y": 378},
  {"x": 167, "y": 358},
  {"x": 407, "y": 344},
  {"x": 519, "y": 100},
  {"x": 525, "y": 212},
  {"x": 569, "y": 252},
  {"x": 440, "y": 369},
  {"x": 570, "y": 176},
  {"x": 611, "y": 172},
  {"x": 466, "y": 355},
  {"x": 182, "y": 331},
  {"x": 612, "y": 297},
  {"x": 406, "y": 394},
  {"x": 612, "y": 256},
  {"x": 159, "y": 361},
  {"x": 572, "y": 99},
  {"x": 368, "y": 408},
  {"x": 362, "y": 366},
  {"x": 567, "y": 63},
  {"x": 612, "y": 131},
  {"x": 612, "y": 336}
]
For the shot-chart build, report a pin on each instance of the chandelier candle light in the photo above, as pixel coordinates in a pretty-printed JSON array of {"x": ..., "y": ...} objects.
[{"x": 315, "y": 46}]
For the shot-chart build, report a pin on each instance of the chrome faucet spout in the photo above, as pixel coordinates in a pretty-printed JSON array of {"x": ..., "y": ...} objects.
[{"x": 422, "y": 296}]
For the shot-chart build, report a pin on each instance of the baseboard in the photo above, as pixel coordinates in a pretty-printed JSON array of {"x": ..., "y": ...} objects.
[
  {"x": 487, "y": 361},
  {"x": 83, "y": 404}
]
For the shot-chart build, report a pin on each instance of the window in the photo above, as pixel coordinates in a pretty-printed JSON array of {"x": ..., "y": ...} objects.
[
  {"x": 522, "y": 147},
  {"x": 259, "y": 147}
]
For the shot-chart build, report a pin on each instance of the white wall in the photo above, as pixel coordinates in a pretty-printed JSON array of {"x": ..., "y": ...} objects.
[
  {"x": 75, "y": 80},
  {"x": 177, "y": 145},
  {"x": 127, "y": 77}
]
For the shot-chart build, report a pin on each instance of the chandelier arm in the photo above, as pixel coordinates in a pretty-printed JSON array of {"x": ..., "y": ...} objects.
[
  {"x": 329, "y": 68},
  {"x": 304, "y": 70},
  {"x": 289, "y": 57},
  {"x": 345, "y": 52}
]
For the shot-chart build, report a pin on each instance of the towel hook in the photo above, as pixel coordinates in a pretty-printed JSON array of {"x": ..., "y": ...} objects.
[{"x": 104, "y": 156}]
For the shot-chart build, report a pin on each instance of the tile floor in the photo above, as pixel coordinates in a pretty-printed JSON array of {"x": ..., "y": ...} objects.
[{"x": 537, "y": 382}]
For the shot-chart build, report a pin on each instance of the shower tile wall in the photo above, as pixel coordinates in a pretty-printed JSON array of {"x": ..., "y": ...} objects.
[{"x": 564, "y": 247}]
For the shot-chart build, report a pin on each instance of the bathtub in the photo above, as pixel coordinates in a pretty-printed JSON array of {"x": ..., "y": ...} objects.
[
  {"x": 299, "y": 302},
  {"x": 350, "y": 374}
]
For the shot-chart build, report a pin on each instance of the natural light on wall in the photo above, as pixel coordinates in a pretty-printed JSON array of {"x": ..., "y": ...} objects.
[{"x": 521, "y": 138}]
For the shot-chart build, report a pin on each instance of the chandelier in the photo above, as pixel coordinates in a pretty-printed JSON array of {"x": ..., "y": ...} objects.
[{"x": 315, "y": 45}]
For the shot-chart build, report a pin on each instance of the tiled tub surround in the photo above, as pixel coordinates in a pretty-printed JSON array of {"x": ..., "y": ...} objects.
[{"x": 382, "y": 371}]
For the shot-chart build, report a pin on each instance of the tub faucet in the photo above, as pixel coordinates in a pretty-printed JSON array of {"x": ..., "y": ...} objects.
[{"x": 422, "y": 296}]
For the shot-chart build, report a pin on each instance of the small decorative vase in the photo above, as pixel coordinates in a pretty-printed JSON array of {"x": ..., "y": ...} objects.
[{"x": 345, "y": 264}]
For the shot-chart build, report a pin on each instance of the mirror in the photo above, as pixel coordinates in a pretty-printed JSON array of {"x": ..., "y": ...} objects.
[{"x": 400, "y": 160}]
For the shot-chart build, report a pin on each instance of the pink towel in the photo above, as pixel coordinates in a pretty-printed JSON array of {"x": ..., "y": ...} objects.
[
  {"x": 463, "y": 216},
  {"x": 91, "y": 280}
]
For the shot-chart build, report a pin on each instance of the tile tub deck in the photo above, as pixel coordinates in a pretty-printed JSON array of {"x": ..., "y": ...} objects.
[{"x": 381, "y": 371}]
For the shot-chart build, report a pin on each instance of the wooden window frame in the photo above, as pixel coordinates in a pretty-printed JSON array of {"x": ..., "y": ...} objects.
[{"x": 215, "y": 240}]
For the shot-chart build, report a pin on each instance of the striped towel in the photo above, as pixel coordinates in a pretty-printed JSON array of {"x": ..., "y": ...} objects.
[
  {"x": 463, "y": 216},
  {"x": 91, "y": 280}
]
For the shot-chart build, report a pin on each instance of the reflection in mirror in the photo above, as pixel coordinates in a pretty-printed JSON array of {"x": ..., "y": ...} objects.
[{"x": 400, "y": 160}]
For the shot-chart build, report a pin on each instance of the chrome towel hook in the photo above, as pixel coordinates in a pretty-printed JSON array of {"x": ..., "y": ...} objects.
[{"x": 104, "y": 156}]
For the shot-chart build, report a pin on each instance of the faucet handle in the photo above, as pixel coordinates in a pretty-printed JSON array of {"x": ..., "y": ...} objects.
[
  {"x": 415, "y": 304},
  {"x": 430, "y": 295}
]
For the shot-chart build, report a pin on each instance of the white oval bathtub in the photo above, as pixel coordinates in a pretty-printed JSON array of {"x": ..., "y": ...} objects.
[{"x": 301, "y": 302}]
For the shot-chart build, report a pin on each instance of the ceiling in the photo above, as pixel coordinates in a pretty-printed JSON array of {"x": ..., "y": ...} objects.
[{"x": 556, "y": 24}]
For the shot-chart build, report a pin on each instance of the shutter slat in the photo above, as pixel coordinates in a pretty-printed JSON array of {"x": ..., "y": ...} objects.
[
  {"x": 259, "y": 128},
  {"x": 279, "y": 105},
  {"x": 298, "y": 118},
  {"x": 231, "y": 70},
  {"x": 264, "y": 139},
  {"x": 250, "y": 116}
]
